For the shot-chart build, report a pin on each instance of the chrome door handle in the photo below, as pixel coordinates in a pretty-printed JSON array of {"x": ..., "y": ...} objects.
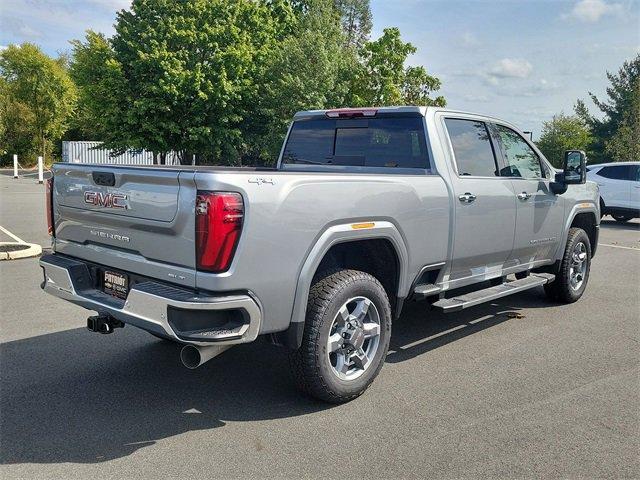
[
  {"x": 524, "y": 196},
  {"x": 467, "y": 198}
]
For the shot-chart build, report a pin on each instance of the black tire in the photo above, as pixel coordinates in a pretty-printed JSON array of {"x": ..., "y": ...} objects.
[
  {"x": 561, "y": 289},
  {"x": 310, "y": 364},
  {"x": 621, "y": 218}
]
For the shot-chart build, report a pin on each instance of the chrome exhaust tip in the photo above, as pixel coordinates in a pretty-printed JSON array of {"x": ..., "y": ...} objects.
[{"x": 193, "y": 356}]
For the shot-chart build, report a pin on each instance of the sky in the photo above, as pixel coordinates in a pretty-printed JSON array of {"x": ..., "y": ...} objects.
[{"x": 520, "y": 60}]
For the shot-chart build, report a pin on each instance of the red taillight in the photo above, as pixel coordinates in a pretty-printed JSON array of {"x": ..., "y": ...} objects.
[
  {"x": 218, "y": 224},
  {"x": 49, "y": 206},
  {"x": 351, "y": 112}
]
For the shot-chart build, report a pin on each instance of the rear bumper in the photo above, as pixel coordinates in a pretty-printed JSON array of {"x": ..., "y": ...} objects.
[{"x": 177, "y": 313}]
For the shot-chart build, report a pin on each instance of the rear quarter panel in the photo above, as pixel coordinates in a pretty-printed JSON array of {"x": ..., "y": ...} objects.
[{"x": 287, "y": 214}]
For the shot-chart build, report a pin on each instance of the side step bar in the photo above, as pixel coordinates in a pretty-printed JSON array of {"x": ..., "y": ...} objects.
[
  {"x": 459, "y": 302},
  {"x": 426, "y": 289}
]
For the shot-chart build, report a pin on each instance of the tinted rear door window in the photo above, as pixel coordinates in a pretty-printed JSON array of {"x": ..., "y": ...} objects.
[
  {"x": 472, "y": 148},
  {"x": 376, "y": 142},
  {"x": 618, "y": 172}
]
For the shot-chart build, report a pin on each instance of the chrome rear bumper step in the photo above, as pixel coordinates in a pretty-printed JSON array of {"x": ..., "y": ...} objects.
[
  {"x": 159, "y": 308},
  {"x": 471, "y": 299}
]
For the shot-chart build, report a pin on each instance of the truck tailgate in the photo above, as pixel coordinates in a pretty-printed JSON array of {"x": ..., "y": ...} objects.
[{"x": 132, "y": 218}]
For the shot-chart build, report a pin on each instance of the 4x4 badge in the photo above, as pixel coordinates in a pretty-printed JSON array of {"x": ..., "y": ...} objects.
[{"x": 261, "y": 180}]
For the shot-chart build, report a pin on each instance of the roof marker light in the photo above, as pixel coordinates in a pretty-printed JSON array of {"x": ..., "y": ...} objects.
[{"x": 351, "y": 112}]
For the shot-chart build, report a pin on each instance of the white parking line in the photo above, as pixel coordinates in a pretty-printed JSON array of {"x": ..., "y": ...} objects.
[
  {"x": 16, "y": 238},
  {"x": 29, "y": 250},
  {"x": 637, "y": 249}
]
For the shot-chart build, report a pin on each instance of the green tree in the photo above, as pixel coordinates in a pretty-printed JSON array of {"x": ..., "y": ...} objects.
[
  {"x": 624, "y": 145},
  {"x": 222, "y": 79},
  {"x": 38, "y": 100},
  {"x": 561, "y": 133},
  {"x": 616, "y": 133},
  {"x": 102, "y": 99},
  {"x": 384, "y": 80},
  {"x": 310, "y": 70},
  {"x": 17, "y": 132},
  {"x": 354, "y": 16},
  {"x": 356, "y": 20},
  {"x": 182, "y": 75},
  {"x": 417, "y": 87}
]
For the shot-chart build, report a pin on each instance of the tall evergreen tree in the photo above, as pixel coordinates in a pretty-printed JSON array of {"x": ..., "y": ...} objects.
[
  {"x": 356, "y": 21},
  {"x": 616, "y": 134}
]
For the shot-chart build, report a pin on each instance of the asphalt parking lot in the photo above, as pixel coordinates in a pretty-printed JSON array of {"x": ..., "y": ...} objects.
[{"x": 552, "y": 392}]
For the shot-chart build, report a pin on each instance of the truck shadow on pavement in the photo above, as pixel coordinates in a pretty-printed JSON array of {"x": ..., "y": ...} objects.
[
  {"x": 420, "y": 330},
  {"x": 606, "y": 222},
  {"x": 75, "y": 396}
]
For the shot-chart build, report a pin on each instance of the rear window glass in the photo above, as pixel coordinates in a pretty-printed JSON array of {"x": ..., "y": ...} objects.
[{"x": 394, "y": 142}]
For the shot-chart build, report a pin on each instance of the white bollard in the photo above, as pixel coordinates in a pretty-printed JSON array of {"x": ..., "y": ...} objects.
[
  {"x": 40, "y": 171},
  {"x": 15, "y": 166}
]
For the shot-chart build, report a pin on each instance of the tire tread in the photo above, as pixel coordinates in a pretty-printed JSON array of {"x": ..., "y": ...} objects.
[
  {"x": 560, "y": 290},
  {"x": 305, "y": 361}
]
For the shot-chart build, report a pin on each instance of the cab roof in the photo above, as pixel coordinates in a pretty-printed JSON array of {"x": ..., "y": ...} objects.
[
  {"x": 611, "y": 164},
  {"x": 399, "y": 109},
  {"x": 359, "y": 111}
]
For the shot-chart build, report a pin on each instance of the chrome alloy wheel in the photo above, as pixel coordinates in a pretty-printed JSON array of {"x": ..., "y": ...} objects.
[
  {"x": 354, "y": 338},
  {"x": 578, "y": 266}
]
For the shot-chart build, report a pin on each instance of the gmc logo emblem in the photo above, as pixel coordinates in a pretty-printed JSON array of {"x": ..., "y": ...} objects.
[{"x": 106, "y": 200}]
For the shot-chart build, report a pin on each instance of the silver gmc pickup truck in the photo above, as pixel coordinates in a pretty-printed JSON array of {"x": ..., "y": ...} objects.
[{"x": 366, "y": 209}]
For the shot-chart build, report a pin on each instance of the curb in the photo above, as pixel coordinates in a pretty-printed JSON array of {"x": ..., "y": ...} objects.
[{"x": 33, "y": 251}]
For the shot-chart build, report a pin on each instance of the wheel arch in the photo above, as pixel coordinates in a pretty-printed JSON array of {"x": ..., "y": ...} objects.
[
  {"x": 377, "y": 248},
  {"x": 584, "y": 216},
  {"x": 587, "y": 222}
]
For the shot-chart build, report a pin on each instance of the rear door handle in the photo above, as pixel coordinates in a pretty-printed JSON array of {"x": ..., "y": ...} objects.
[
  {"x": 524, "y": 196},
  {"x": 467, "y": 198}
]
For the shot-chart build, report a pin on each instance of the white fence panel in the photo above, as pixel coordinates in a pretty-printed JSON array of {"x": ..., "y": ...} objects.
[{"x": 86, "y": 152}]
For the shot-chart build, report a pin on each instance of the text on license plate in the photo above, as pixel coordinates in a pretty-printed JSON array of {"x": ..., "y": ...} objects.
[{"x": 116, "y": 284}]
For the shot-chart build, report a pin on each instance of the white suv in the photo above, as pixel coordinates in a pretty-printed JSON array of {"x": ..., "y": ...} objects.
[{"x": 619, "y": 189}]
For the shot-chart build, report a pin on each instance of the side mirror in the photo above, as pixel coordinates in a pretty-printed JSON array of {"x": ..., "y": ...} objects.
[
  {"x": 575, "y": 167},
  {"x": 574, "y": 171}
]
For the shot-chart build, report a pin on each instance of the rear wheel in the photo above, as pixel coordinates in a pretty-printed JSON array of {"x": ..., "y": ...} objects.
[
  {"x": 346, "y": 336},
  {"x": 573, "y": 276}
]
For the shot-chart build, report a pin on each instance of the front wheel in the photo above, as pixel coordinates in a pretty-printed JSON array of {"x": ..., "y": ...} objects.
[
  {"x": 573, "y": 276},
  {"x": 346, "y": 336}
]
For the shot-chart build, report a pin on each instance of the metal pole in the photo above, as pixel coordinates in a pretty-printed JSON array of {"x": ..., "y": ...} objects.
[
  {"x": 15, "y": 166},
  {"x": 40, "y": 171}
]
